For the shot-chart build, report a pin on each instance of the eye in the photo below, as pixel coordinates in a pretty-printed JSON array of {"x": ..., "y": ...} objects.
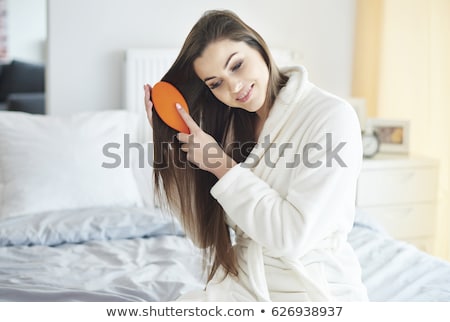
[
  {"x": 236, "y": 66},
  {"x": 215, "y": 85}
]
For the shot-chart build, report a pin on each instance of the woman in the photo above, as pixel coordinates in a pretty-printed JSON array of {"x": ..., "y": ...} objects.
[{"x": 269, "y": 156}]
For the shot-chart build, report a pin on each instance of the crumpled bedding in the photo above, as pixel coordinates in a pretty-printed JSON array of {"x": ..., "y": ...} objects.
[
  {"x": 396, "y": 271},
  {"x": 100, "y": 254},
  {"x": 139, "y": 254}
]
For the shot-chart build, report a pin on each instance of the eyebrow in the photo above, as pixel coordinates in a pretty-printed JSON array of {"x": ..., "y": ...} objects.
[{"x": 226, "y": 64}]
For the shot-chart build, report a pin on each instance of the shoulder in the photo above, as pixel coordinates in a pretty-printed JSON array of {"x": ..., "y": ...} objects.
[
  {"x": 309, "y": 112},
  {"x": 311, "y": 103},
  {"x": 322, "y": 111},
  {"x": 327, "y": 104},
  {"x": 331, "y": 122}
]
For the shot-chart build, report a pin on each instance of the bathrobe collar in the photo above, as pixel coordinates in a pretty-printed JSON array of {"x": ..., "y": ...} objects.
[{"x": 285, "y": 105}]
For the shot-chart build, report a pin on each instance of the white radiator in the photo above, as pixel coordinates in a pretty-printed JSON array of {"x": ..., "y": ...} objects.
[{"x": 149, "y": 66}]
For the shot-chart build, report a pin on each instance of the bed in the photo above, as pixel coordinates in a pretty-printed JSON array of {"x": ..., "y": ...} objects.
[
  {"x": 78, "y": 221},
  {"x": 396, "y": 271}
]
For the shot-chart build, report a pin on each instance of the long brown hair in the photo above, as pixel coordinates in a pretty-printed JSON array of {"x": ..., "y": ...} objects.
[{"x": 183, "y": 187}]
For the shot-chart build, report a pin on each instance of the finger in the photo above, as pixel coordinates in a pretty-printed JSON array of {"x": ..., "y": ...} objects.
[
  {"x": 183, "y": 137},
  {"x": 149, "y": 106},
  {"x": 187, "y": 118},
  {"x": 147, "y": 88},
  {"x": 150, "y": 116},
  {"x": 146, "y": 92},
  {"x": 185, "y": 148},
  {"x": 148, "y": 103},
  {"x": 147, "y": 95}
]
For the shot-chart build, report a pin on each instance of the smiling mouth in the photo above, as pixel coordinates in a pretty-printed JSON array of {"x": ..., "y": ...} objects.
[{"x": 244, "y": 96}]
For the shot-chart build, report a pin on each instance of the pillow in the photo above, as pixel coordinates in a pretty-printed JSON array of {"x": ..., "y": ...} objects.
[
  {"x": 74, "y": 226},
  {"x": 53, "y": 163}
]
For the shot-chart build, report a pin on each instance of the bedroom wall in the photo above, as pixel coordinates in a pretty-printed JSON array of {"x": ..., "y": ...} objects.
[{"x": 87, "y": 40}]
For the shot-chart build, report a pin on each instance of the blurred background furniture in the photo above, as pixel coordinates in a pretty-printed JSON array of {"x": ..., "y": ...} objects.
[
  {"x": 22, "y": 87},
  {"x": 400, "y": 192}
]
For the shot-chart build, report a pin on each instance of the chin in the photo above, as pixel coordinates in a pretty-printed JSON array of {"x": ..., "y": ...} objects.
[
  {"x": 248, "y": 108},
  {"x": 256, "y": 106},
  {"x": 253, "y": 106},
  {"x": 254, "y": 109}
]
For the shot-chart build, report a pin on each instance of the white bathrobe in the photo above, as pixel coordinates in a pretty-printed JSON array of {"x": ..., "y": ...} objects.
[{"x": 292, "y": 203}]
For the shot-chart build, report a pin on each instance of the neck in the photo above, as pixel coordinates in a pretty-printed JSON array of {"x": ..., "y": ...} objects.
[{"x": 262, "y": 115}]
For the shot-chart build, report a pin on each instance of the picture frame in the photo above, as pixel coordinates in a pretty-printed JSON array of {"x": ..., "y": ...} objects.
[{"x": 392, "y": 133}]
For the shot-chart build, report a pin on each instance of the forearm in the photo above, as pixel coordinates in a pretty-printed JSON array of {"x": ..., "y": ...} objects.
[{"x": 221, "y": 165}]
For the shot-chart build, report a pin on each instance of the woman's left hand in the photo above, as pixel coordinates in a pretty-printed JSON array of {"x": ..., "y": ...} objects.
[
  {"x": 202, "y": 149},
  {"x": 148, "y": 103}
]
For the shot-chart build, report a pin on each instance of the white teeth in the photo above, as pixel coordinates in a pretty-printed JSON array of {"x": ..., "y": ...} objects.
[{"x": 243, "y": 95}]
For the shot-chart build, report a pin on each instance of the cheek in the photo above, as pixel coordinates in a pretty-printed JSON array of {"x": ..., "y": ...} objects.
[
  {"x": 223, "y": 97},
  {"x": 264, "y": 74}
]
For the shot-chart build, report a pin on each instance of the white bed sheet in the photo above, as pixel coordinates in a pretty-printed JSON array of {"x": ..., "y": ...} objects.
[{"x": 136, "y": 254}]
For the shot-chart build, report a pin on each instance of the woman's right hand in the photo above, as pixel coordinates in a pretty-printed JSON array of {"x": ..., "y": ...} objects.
[{"x": 148, "y": 103}]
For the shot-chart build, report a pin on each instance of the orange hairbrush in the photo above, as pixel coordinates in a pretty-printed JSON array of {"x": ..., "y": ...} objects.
[{"x": 164, "y": 98}]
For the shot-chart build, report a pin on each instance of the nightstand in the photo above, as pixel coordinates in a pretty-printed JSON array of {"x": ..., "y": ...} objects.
[{"x": 400, "y": 192}]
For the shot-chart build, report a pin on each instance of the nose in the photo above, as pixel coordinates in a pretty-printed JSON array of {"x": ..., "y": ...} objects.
[{"x": 235, "y": 85}]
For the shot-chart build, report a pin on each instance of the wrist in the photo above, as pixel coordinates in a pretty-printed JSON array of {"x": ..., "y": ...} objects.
[{"x": 223, "y": 166}]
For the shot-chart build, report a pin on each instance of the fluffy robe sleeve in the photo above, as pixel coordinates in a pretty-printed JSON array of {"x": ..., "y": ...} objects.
[{"x": 320, "y": 200}]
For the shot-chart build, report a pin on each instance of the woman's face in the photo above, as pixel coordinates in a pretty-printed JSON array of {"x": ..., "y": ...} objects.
[{"x": 235, "y": 72}]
